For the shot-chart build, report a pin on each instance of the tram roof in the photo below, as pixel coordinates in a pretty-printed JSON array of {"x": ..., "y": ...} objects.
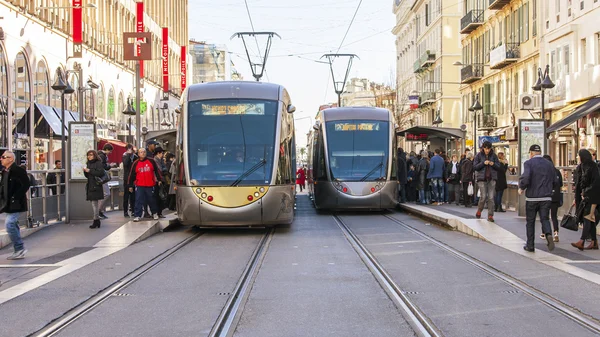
[
  {"x": 335, "y": 114},
  {"x": 234, "y": 89}
]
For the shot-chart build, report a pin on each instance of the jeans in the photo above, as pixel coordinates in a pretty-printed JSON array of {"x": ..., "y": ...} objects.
[
  {"x": 532, "y": 208},
  {"x": 97, "y": 208},
  {"x": 13, "y": 230},
  {"x": 487, "y": 190},
  {"x": 554, "y": 215},
  {"x": 144, "y": 196},
  {"x": 437, "y": 185},
  {"x": 422, "y": 199},
  {"x": 498, "y": 199},
  {"x": 453, "y": 191}
]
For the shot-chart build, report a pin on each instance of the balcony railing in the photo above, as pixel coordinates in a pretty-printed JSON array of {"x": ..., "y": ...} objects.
[
  {"x": 504, "y": 55},
  {"x": 427, "y": 97},
  {"x": 471, "y": 21},
  {"x": 498, "y": 4},
  {"x": 423, "y": 62},
  {"x": 487, "y": 121},
  {"x": 471, "y": 73}
]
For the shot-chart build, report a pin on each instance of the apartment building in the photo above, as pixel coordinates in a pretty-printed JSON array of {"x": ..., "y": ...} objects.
[
  {"x": 500, "y": 57},
  {"x": 427, "y": 44},
  {"x": 36, "y": 40},
  {"x": 210, "y": 62},
  {"x": 570, "y": 45}
]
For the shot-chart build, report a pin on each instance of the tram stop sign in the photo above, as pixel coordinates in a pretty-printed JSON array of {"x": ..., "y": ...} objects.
[{"x": 131, "y": 41}]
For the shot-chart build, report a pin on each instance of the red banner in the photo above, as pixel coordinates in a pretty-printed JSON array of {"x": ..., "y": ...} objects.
[
  {"x": 165, "y": 58},
  {"x": 77, "y": 22},
  {"x": 183, "y": 68},
  {"x": 139, "y": 28}
]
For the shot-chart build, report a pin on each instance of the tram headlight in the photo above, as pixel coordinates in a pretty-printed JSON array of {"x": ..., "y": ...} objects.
[
  {"x": 261, "y": 190},
  {"x": 204, "y": 195},
  {"x": 256, "y": 194},
  {"x": 198, "y": 190}
]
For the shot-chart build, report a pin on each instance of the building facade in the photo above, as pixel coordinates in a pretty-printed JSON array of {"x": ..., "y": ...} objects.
[
  {"x": 427, "y": 44},
  {"x": 36, "y": 41},
  {"x": 570, "y": 45},
  {"x": 210, "y": 63},
  {"x": 500, "y": 57}
]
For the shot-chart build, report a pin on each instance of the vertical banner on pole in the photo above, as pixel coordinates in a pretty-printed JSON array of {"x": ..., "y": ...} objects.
[
  {"x": 165, "y": 60},
  {"x": 77, "y": 22},
  {"x": 139, "y": 28},
  {"x": 183, "y": 68}
]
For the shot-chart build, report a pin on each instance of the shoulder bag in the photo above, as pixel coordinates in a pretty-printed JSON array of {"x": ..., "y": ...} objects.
[
  {"x": 569, "y": 221},
  {"x": 104, "y": 179}
]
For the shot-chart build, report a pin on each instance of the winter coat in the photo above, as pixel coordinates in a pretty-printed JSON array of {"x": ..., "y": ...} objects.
[
  {"x": 557, "y": 193},
  {"x": 436, "y": 168},
  {"x": 104, "y": 160},
  {"x": 13, "y": 190},
  {"x": 421, "y": 171},
  {"x": 453, "y": 179},
  {"x": 539, "y": 178},
  {"x": 300, "y": 177},
  {"x": 480, "y": 167},
  {"x": 93, "y": 190},
  {"x": 128, "y": 159},
  {"x": 589, "y": 183},
  {"x": 467, "y": 172},
  {"x": 162, "y": 168},
  {"x": 501, "y": 183},
  {"x": 402, "y": 168}
]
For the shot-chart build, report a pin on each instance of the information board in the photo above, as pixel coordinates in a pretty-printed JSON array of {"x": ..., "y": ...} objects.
[
  {"x": 531, "y": 131},
  {"x": 82, "y": 138}
]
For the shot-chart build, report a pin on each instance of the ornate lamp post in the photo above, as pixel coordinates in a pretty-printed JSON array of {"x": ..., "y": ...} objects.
[
  {"x": 130, "y": 111},
  {"x": 476, "y": 107},
  {"x": 543, "y": 82},
  {"x": 65, "y": 89}
]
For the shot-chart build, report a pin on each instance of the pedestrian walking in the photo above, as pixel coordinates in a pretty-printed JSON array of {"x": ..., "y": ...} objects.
[
  {"x": 436, "y": 174},
  {"x": 486, "y": 167},
  {"x": 144, "y": 176},
  {"x": 93, "y": 190},
  {"x": 300, "y": 178},
  {"x": 421, "y": 173},
  {"x": 538, "y": 181},
  {"x": 129, "y": 157},
  {"x": 53, "y": 179},
  {"x": 107, "y": 149},
  {"x": 501, "y": 184},
  {"x": 161, "y": 200},
  {"x": 557, "y": 201},
  {"x": 453, "y": 180},
  {"x": 587, "y": 191},
  {"x": 402, "y": 174},
  {"x": 14, "y": 186},
  {"x": 466, "y": 179}
]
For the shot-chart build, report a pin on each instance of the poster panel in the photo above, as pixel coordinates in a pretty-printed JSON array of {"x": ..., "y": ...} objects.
[
  {"x": 82, "y": 138},
  {"x": 531, "y": 131}
]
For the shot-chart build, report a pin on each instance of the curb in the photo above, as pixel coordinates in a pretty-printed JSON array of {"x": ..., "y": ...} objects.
[{"x": 25, "y": 232}]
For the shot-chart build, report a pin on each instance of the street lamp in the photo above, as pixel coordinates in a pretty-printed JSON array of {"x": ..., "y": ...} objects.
[
  {"x": 130, "y": 111},
  {"x": 475, "y": 108},
  {"x": 540, "y": 85},
  {"x": 65, "y": 89}
]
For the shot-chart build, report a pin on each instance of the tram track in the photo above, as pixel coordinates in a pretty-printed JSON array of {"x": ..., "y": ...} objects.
[
  {"x": 420, "y": 323},
  {"x": 571, "y": 313},
  {"x": 59, "y": 324},
  {"x": 227, "y": 321}
]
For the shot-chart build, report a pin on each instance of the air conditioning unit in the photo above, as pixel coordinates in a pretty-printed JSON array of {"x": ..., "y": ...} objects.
[{"x": 528, "y": 101}]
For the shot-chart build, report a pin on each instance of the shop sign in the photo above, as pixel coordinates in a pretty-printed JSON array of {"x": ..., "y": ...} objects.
[
  {"x": 417, "y": 137},
  {"x": 183, "y": 68},
  {"x": 165, "y": 58},
  {"x": 469, "y": 142},
  {"x": 491, "y": 139}
]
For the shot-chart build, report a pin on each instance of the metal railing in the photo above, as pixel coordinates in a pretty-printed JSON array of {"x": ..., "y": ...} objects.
[
  {"x": 471, "y": 73},
  {"x": 474, "y": 17}
]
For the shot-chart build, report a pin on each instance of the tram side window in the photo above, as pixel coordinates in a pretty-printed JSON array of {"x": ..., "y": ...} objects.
[
  {"x": 321, "y": 173},
  {"x": 394, "y": 174},
  {"x": 284, "y": 169}
]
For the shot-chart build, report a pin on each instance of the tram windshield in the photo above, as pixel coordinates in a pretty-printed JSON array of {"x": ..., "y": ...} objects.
[
  {"x": 358, "y": 149},
  {"x": 231, "y": 141}
]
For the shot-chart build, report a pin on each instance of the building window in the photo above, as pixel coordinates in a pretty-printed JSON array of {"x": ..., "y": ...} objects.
[
  {"x": 566, "y": 59},
  {"x": 597, "y": 48},
  {"x": 583, "y": 53},
  {"x": 427, "y": 15},
  {"x": 534, "y": 19},
  {"x": 42, "y": 95},
  {"x": 524, "y": 79}
]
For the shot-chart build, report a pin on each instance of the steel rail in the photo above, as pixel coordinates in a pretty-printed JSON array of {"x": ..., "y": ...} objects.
[
  {"x": 72, "y": 315},
  {"x": 575, "y": 315},
  {"x": 421, "y": 325},
  {"x": 227, "y": 320}
]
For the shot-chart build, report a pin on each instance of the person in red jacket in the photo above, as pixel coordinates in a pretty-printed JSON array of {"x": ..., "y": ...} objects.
[
  {"x": 301, "y": 178},
  {"x": 144, "y": 175}
]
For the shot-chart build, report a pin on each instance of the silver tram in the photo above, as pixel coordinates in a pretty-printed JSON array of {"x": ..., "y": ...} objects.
[
  {"x": 235, "y": 157},
  {"x": 352, "y": 159}
]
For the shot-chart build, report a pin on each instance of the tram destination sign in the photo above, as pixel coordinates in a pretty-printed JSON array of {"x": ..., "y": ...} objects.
[{"x": 417, "y": 137}]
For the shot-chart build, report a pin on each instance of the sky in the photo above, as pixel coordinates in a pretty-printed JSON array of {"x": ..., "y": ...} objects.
[{"x": 308, "y": 29}]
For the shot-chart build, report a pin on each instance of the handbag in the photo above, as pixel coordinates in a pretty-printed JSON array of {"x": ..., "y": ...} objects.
[
  {"x": 569, "y": 221},
  {"x": 470, "y": 189},
  {"x": 104, "y": 179}
]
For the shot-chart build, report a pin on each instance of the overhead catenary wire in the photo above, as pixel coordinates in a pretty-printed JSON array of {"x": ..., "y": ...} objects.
[{"x": 255, "y": 39}]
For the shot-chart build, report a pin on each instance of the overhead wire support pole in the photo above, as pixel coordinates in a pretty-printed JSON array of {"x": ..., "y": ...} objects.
[
  {"x": 255, "y": 67},
  {"x": 338, "y": 86}
]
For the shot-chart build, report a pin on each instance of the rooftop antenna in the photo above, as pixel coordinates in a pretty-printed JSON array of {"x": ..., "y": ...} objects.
[
  {"x": 339, "y": 85},
  {"x": 258, "y": 69}
]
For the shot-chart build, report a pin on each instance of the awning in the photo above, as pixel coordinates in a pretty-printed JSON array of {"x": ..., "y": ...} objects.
[
  {"x": 433, "y": 132},
  {"x": 582, "y": 110},
  {"x": 45, "y": 122},
  {"x": 118, "y": 149},
  {"x": 500, "y": 131}
]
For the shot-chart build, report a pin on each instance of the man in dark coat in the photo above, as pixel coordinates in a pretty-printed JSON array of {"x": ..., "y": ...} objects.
[
  {"x": 52, "y": 179},
  {"x": 128, "y": 197},
  {"x": 486, "y": 166},
  {"x": 107, "y": 149},
  {"x": 402, "y": 172},
  {"x": 13, "y": 201}
]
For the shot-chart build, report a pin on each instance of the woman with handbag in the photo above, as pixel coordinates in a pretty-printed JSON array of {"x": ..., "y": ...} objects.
[
  {"x": 94, "y": 171},
  {"x": 587, "y": 193},
  {"x": 466, "y": 179},
  {"x": 557, "y": 201},
  {"x": 501, "y": 184}
]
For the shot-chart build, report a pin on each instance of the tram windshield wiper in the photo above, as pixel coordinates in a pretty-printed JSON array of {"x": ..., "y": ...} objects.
[
  {"x": 372, "y": 171},
  {"x": 249, "y": 172}
]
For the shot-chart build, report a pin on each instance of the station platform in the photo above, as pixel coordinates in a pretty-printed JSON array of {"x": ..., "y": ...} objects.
[
  {"x": 508, "y": 231},
  {"x": 55, "y": 250}
]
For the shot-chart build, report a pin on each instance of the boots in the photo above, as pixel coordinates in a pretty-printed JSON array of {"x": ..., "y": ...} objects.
[
  {"x": 95, "y": 224},
  {"x": 593, "y": 245},
  {"x": 578, "y": 244}
]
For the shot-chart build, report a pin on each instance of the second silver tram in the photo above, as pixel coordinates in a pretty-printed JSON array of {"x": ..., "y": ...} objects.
[
  {"x": 235, "y": 158},
  {"x": 352, "y": 159}
]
